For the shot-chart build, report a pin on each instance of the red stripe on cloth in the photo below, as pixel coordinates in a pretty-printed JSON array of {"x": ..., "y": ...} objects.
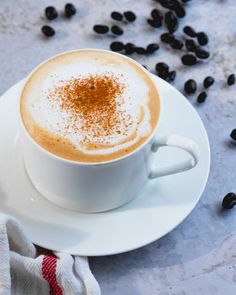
[{"x": 49, "y": 274}]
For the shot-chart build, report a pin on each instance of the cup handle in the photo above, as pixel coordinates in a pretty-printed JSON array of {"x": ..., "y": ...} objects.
[{"x": 178, "y": 141}]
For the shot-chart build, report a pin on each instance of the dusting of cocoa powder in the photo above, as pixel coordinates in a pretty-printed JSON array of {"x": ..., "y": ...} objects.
[{"x": 94, "y": 101}]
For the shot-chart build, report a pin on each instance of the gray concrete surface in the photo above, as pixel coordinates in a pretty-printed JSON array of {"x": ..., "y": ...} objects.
[{"x": 199, "y": 256}]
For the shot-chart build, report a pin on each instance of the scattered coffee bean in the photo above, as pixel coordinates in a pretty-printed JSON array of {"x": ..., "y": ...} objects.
[
  {"x": 101, "y": 29},
  {"x": 167, "y": 38},
  {"x": 229, "y": 201},
  {"x": 151, "y": 48},
  {"x": 202, "y": 54},
  {"x": 117, "y": 30},
  {"x": 164, "y": 75},
  {"x": 48, "y": 31},
  {"x": 116, "y": 46},
  {"x": 191, "y": 45},
  {"x": 202, "y": 38},
  {"x": 177, "y": 44},
  {"x": 169, "y": 4},
  {"x": 189, "y": 31},
  {"x": 179, "y": 10},
  {"x": 231, "y": 79},
  {"x": 140, "y": 50},
  {"x": 155, "y": 23},
  {"x": 233, "y": 134},
  {"x": 116, "y": 15},
  {"x": 172, "y": 75},
  {"x": 162, "y": 67},
  {"x": 171, "y": 21},
  {"x": 202, "y": 97},
  {"x": 208, "y": 82},
  {"x": 190, "y": 86},
  {"x": 162, "y": 70},
  {"x": 70, "y": 10},
  {"x": 189, "y": 59},
  {"x": 51, "y": 12},
  {"x": 129, "y": 48},
  {"x": 157, "y": 14},
  {"x": 130, "y": 16}
]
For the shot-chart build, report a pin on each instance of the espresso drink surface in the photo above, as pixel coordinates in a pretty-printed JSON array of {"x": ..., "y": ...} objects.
[{"x": 90, "y": 106}]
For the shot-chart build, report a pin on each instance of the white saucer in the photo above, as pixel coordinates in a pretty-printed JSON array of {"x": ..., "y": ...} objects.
[{"x": 161, "y": 206}]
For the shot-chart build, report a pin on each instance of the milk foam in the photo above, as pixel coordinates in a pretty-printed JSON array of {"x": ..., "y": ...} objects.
[{"x": 135, "y": 99}]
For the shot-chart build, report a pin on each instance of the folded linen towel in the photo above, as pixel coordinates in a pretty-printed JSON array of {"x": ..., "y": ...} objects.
[{"x": 27, "y": 270}]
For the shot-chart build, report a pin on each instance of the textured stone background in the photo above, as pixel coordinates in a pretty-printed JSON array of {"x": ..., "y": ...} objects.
[{"x": 199, "y": 256}]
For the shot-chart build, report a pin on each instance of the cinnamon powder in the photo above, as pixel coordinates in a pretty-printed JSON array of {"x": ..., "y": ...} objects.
[{"x": 95, "y": 102}]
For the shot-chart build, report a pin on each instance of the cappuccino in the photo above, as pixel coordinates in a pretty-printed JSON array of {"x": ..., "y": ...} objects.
[{"x": 90, "y": 106}]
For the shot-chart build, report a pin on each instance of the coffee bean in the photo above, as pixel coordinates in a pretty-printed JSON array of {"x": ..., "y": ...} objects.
[
  {"x": 157, "y": 14},
  {"x": 202, "y": 54},
  {"x": 51, "y": 12},
  {"x": 172, "y": 75},
  {"x": 202, "y": 38},
  {"x": 101, "y": 29},
  {"x": 189, "y": 60},
  {"x": 208, "y": 82},
  {"x": 233, "y": 134},
  {"x": 179, "y": 10},
  {"x": 171, "y": 22},
  {"x": 190, "y": 86},
  {"x": 70, "y": 10},
  {"x": 231, "y": 79},
  {"x": 169, "y": 4},
  {"x": 162, "y": 70},
  {"x": 202, "y": 97},
  {"x": 189, "y": 31},
  {"x": 48, "y": 31},
  {"x": 155, "y": 23},
  {"x": 191, "y": 45},
  {"x": 176, "y": 44},
  {"x": 140, "y": 50},
  {"x": 164, "y": 75},
  {"x": 129, "y": 48},
  {"x": 167, "y": 38},
  {"x": 116, "y": 46},
  {"x": 161, "y": 67},
  {"x": 116, "y": 15},
  {"x": 130, "y": 16},
  {"x": 117, "y": 30},
  {"x": 229, "y": 201},
  {"x": 151, "y": 48}
]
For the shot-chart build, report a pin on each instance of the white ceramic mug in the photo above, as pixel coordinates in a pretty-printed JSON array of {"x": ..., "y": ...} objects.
[{"x": 96, "y": 187}]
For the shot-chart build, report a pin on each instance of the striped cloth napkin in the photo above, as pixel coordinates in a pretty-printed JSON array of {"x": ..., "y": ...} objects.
[{"x": 27, "y": 270}]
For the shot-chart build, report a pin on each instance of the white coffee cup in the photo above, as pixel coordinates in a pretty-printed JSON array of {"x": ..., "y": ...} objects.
[{"x": 97, "y": 187}]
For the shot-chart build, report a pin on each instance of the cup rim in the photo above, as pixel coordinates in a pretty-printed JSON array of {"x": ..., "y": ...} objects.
[{"x": 77, "y": 163}]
